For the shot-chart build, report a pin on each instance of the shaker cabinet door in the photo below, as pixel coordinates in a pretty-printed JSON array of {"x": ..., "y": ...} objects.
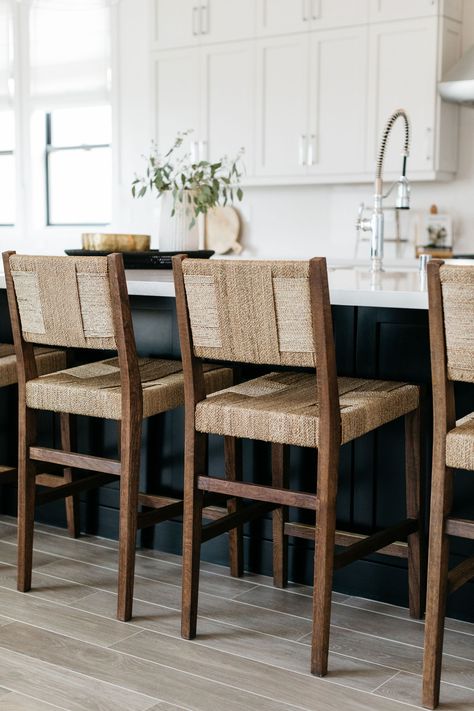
[
  {"x": 176, "y": 23},
  {"x": 403, "y": 79},
  {"x": 176, "y": 97},
  {"x": 228, "y": 101},
  {"x": 338, "y": 106},
  {"x": 282, "y": 106}
]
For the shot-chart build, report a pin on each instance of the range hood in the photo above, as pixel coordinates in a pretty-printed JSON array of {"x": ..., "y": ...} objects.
[{"x": 458, "y": 84}]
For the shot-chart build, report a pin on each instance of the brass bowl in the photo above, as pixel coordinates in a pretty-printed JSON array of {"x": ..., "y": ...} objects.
[{"x": 106, "y": 242}]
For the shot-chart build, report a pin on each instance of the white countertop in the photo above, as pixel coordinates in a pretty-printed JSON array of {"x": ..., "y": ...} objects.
[{"x": 401, "y": 288}]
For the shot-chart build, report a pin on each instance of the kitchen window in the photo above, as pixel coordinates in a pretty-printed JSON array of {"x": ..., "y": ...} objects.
[{"x": 78, "y": 166}]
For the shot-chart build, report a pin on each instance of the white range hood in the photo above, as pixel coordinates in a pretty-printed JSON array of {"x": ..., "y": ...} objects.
[{"x": 458, "y": 84}]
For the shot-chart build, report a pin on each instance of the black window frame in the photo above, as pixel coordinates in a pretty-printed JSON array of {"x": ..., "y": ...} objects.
[{"x": 50, "y": 148}]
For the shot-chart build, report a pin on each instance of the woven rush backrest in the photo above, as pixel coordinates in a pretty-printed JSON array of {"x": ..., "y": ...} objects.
[
  {"x": 250, "y": 311},
  {"x": 64, "y": 301},
  {"x": 457, "y": 287}
]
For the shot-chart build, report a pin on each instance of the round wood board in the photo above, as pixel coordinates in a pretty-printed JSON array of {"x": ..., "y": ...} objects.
[{"x": 222, "y": 230}]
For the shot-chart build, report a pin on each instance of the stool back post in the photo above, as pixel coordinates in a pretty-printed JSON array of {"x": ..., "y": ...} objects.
[
  {"x": 27, "y": 369},
  {"x": 132, "y": 394}
]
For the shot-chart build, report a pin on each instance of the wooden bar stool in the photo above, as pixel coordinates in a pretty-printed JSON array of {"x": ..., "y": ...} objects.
[
  {"x": 83, "y": 303},
  {"x": 451, "y": 314},
  {"x": 278, "y": 313},
  {"x": 48, "y": 360}
]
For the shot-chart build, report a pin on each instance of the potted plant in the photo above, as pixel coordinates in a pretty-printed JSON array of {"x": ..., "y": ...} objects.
[{"x": 187, "y": 189}]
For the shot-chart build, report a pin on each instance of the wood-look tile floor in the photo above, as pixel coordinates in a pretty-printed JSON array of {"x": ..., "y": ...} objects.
[{"x": 61, "y": 647}]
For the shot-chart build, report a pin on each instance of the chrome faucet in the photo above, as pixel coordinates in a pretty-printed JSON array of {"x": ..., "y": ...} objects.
[{"x": 375, "y": 224}]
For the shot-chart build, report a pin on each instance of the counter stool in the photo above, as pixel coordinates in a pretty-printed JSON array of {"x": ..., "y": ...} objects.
[
  {"x": 83, "y": 303},
  {"x": 47, "y": 361},
  {"x": 451, "y": 315},
  {"x": 278, "y": 313}
]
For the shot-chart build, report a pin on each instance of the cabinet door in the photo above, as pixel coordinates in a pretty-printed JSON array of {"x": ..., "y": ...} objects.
[
  {"x": 338, "y": 13},
  {"x": 282, "y": 105},
  {"x": 403, "y": 70},
  {"x": 227, "y": 20},
  {"x": 176, "y": 96},
  {"x": 176, "y": 23},
  {"x": 228, "y": 101},
  {"x": 276, "y": 17},
  {"x": 381, "y": 10},
  {"x": 338, "y": 95}
]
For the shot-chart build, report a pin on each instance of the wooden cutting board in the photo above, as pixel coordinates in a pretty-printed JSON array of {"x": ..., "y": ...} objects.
[{"x": 223, "y": 229}]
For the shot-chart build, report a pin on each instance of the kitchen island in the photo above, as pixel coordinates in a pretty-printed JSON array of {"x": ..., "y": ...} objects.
[{"x": 381, "y": 331}]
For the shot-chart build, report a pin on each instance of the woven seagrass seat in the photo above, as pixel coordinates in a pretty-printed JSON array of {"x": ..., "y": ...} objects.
[
  {"x": 94, "y": 389},
  {"x": 94, "y": 314},
  {"x": 451, "y": 312},
  {"x": 283, "y": 408},
  {"x": 276, "y": 313}
]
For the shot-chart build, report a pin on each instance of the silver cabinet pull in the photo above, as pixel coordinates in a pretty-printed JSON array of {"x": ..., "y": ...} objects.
[
  {"x": 429, "y": 143},
  {"x": 204, "y": 19},
  {"x": 304, "y": 11},
  {"x": 312, "y": 149},
  {"x": 195, "y": 20},
  {"x": 315, "y": 9},
  {"x": 194, "y": 151},
  {"x": 202, "y": 146},
  {"x": 301, "y": 150}
]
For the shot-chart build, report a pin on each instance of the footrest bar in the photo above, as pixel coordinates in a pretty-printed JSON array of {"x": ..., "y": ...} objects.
[
  {"x": 77, "y": 461},
  {"x": 461, "y": 574},
  {"x": 282, "y": 497},
  {"x": 375, "y": 543},
  {"x": 74, "y": 487},
  {"x": 243, "y": 515}
]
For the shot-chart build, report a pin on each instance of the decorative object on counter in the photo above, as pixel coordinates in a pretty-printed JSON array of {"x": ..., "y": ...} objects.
[
  {"x": 375, "y": 225},
  {"x": 188, "y": 188},
  {"x": 222, "y": 230},
  {"x": 107, "y": 242},
  {"x": 151, "y": 259},
  {"x": 435, "y": 235}
]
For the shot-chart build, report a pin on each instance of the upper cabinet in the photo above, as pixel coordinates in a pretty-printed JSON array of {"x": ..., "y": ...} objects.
[
  {"x": 277, "y": 17},
  {"x": 185, "y": 23},
  {"x": 307, "y": 86},
  {"x": 382, "y": 10}
]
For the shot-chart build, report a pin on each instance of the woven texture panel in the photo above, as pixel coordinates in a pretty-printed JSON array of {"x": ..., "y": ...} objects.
[
  {"x": 47, "y": 361},
  {"x": 252, "y": 312},
  {"x": 460, "y": 444},
  {"x": 457, "y": 284},
  {"x": 94, "y": 389},
  {"x": 64, "y": 301},
  {"x": 283, "y": 408}
]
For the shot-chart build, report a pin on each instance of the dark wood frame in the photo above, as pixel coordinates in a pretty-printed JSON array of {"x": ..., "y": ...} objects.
[
  {"x": 278, "y": 497},
  {"x": 103, "y": 470},
  {"x": 441, "y": 581}
]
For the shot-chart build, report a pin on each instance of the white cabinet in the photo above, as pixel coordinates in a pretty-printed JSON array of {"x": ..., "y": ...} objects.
[
  {"x": 211, "y": 91},
  {"x": 181, "y": 23},
  {"x": 176, "y": 96},
  {"x": 282, "y": 105},
  {"x": 228, "y": 101},
  {"x": 404, "y": 73},
  {"x": 382, "y": 10},
  {"x": 338, "y": 107},
  {"x": 276, "y": 17},
  {"x": 312, "y": 113}
]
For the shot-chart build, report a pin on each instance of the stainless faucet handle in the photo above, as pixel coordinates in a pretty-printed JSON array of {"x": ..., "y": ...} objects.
[
  {"x": 363, "y": 223},
  {"x": 403, "y": 194}
]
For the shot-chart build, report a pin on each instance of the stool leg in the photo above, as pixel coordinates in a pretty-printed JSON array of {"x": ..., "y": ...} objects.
[
  {"x": 233, "y": 472},
  {"x": 279, "y": 517},
  {"x": 413, "y": 510},
  {"x": 438, "y": 558},
  {"x": 72, "y": 502},
  {"x": 194, "y": 466},
  {"x": 130, "y": 440},
  {"x": 26, "y": 497},
  {"x": 325, "y": 534}
]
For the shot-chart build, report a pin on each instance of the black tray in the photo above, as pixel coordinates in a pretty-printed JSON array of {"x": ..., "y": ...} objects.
[{"x": 152, "y": 259}]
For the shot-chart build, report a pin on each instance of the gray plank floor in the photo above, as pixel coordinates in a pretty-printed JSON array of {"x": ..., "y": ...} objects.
[{"x": 61, "y": 647}]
